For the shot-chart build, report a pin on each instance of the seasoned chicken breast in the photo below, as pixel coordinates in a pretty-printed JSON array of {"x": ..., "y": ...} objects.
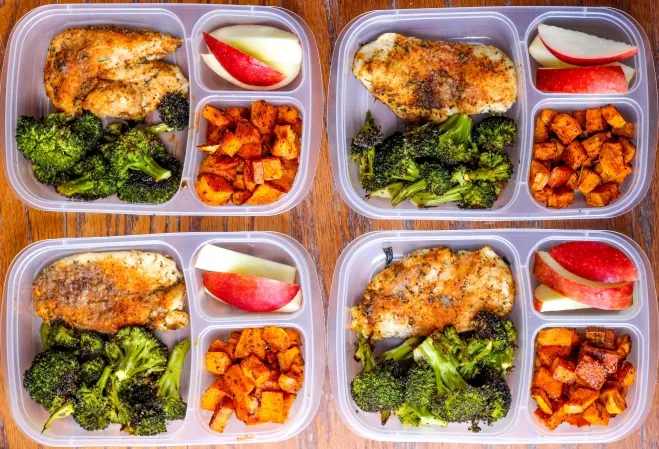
[
  {"x": 78, "y": 57},
  {"x": 432, "y": 288},
  {"x": 427, "y": 80},
  {"x": 109, "y": 290}
]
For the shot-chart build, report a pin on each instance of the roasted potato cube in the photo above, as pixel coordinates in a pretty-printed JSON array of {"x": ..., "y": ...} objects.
[
  {"x": 212, "y": 132},
  {"x": 541, "y": 133},
  {"x": 209, "y": 148},
  {"x": 289, "y": 399},
  {"x": 247, "y": 133},
  {"x": 251, "y": 342},
  {"x": 563, "y": 371},
  {"x": 291, "y": 382},
  {"x": 560, "y": 198},
  {"x": 548, "y": 353},
  {"x": 588, "y": 180},
  {"x": 287, "y": 115},
  {"x": 287, "y": 143},
  {"x": 580, "y": 399},
  {"x": 294, "y": 337},
  {"x": 221, "y": 415},
  {"x": 626, "y": 131},
  {"x": 595, "y": 121},
  {"x": 291, "y": 356},
  {"x": 539, "y": 176},
  {"x": 213, "y": 189},
  {"x": 272, "y": 384},
  {"x": 544, "y": 403},
  {"x": 240, "y": 197},
  {"x": 276, "y": 338},
  {"x": 557, "y": 418},
  {"x": 218, "y": 345},
  {"x": 608, "y": 358},
  {"x": 576, "y": 420},
  {"x": 264, "y": 116},
  {"x": 251, "y": 151},
  {"x": 614, "y": 168},
  {"x": 543, "y": 195},
  {"x": 591, "y": 373},
  {"x": 214, "y": 395},
  {"x": 542, "y": 416},
  {"x": 546, "y": 151},
  {"x": 220, "y": 165},
  {"x": 613, "y": 117},
  {"x": 543, "y": 379},
  {"x": 255, "y": 370},
  {"x": 580, "y": 117},
  {"x": 623, "y": 345},
  {"x": 257, "y": 172},
  {"x": 603, "y": 195},
  {"x": 556, "y": 336},
  {"x": 573, "y": 182},
  {"x": 237, "y": 382},
  {"x": 566, "y": 128},
  {"x": 272, "y": 407},
  {"x": 272, "y": 168},
  {"x": 613, "y": 401},
  {"x": 247, "y": 407},
  {"x": 628, "y": 150},
  {"x": 229, "y": 142},
  {"x": 559, "y": 176},
  {"x": 248, "y": 177},
  {"x": 217, "y": 117},
  {"x": 593, "y": 144},
  {"x": 596, "y": 415},
  {"x": 601, "y": 336},
  {"x": 574, "y": 155},
  {"x": 560, "y": 148},
  {"x": 265, "y": 194},
  {"x": 218, "y": 362},
  {"x": 237, "y": 113},
  {"x": 626, "y": 374},
  {"x": 239, "y": 182}
]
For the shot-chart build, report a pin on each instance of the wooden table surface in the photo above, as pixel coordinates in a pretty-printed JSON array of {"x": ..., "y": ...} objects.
[{"x": 321, "y": 222}]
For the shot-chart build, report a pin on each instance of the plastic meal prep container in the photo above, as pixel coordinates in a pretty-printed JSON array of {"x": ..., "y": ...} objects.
[
  {"x": 512, "y": 29},
  {"x": 20, "y": 337},
  {"x": 24, "y": 94},
  {"x": 364, "y": 257}
]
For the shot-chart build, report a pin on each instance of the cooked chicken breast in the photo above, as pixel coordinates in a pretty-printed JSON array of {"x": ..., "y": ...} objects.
[
  {"x": 78, "y": 57},
  {"x": 427, "y": 80},
  {"x": 107, "y": 291},
  {"x": 432, "y": 288}
]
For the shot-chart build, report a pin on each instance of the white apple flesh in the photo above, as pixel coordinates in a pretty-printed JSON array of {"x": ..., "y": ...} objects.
[
  {"x": 216, "y": 67},
  {"x": 547, "y": 300},
  {"x": 215, "y": 258}
]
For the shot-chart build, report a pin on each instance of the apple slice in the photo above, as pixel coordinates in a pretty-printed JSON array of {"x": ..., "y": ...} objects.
[
  {"x": 250, "y": 293},
  {"x": 607, "y": 79},
  {"x": 547, "y": 300},
  {"x": 595, "y": 261},
  {"x": 241, "y": 66},
  {"x": 215, "y": 66},
  {"x": 595, "y": 294},
  {"x": 215, "y": 258},
  {"x": 580, "y": 48}
]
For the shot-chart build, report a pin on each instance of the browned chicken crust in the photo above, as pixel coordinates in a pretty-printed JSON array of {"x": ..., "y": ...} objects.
[{"x": 432, "y": 288}]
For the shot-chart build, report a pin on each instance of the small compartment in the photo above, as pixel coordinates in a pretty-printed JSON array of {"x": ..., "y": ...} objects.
[
  {"x": 214, "y": 310},
  {"x": 235, "y": 428},
  {"x": 632, "y": 186}
]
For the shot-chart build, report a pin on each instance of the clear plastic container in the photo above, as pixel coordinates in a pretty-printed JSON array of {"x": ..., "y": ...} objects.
[
  {"x": 511, "y": 29},
  {"x": 208, "y": 320},
  {"x": 24, "y": 94},
  {"x": 363, "y": 258}
]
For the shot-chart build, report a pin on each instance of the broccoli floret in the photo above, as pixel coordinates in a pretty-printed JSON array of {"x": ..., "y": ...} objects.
[
  {"x": 480, "y": 195},
  {"x": 494, "y": 168},
  {"x": 62, "y": 336},
  {"x": 52, "y": 378},
  {"x": 174, "y": 110},
  {"x": 143, "y": 408},
  {"x": 49, "y": 144},
  {"x": 89, "y": 127},
  {"x": 495, "y": 133},
  {"x": 92, "y": 344},
  {"x": 90, "y": 179},
  {"x": 366, "y": 139},
  {"x": 385, "y": 156},
  {"x": 420, "y": 385},
  {"x": 169, "y": 383},
  {"x": 435, "y": 179},
  {"x": 410, "y": 415},
  {"x": 454, "y": 146},
  {"x": 113, "y": 131},
  {"x": 139, "y": 187},
  {"x": 421, "y": 141},
  {"x": 49, "y": 177},
  {"x": 134, "y": 151},
  {"x": 500, "y": 335},
  {"x": 443, "y": 363},
  {"x": 91, "y": 370}
]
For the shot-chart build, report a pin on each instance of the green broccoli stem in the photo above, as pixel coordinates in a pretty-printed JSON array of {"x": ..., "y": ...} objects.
[
  {"x": 64, "y": 411},
  {"x": 427, "y": 199},
  {"x": 364, "y": 353},
  {"x": 447, "y": 376},
  {"x": 387, "y": 192},
  {"x": 169, "y": 382},
  {"x": 149, "y": 166},
  {"x": 404, "y": 351},
  {"x": 76, "y": 186},
  {"x": 408, "y": 191},
  {"x": 158, "y": 128},
  {"x": 468, "y": 370},
  {"x": 43, "y": 333}
]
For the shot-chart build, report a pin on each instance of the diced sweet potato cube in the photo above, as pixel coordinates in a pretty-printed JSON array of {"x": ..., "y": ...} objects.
[
  {"x": 595, "y": 121},
  {"x": 576, "y": 420},
  {"x": 566, "y": 128},
  {"x": 563, "y": 371},
  {"x": 580, "y": 399},
  {"x": 626, "y": 374},
  {"x": 593, "y": 144},
  {"x": 209, "y": 148},
  {"x": 548, "y": 353},
  {"x": 617, "y": 385},
  {"x": 623, "y": 345},
  {"x": 237, "y": 113},
  {"x": 542, "y": 416},
  {"x": 559, "y": 176},
  {"x": 556, "y": 336},
  {"x": 272, "y": 407},
  {"x": 212, "y": 132},
  {"x": 543, "y": 195},
  {"x": 247, "y": 133},
  {"x": 248, "y": 177},
  {"x": 574, "y": 155},
  {"x": 251, "y": 342},
  {"x": 626, "y": 131},
  {"x": 287, "y": 143},
  {"x": 539, "y": 176},
  {"x": 614, "y": 168},
  {"x": 272, "y": 384},
  {"x": 255, "y": 370},
  {"x": 272, "y": 168},
  {"x": 221, "y": 415},
  {"x": 573, "y": 182},
  {"x": 560, "y": 198},
  {"x": 556, "y": 419},
  {"x": 213, "y": 189},
  {"x": 601, "y": 336},
  {"x": 580, "y": 117},
  {"x": 545, "y": 151},
  {"x": 588, "y": 180},
  {"x": 291, "y": 382},
  {"x": 257, "y": 172},
  {"x": 214, "y": 394},
  {"x": 291, "y": 356},
  {"x": 287, "y": 115},
  {"x": 608, "y": 358},
  {"x": 289, "y": 399},
  {"x": 543, "y": 379},
  {"x": 218, "y": 362},
  {"x": 596, "y": 415},
  {"x": 541, "y": 133},
  {"x": 628, "y": 150},
  {"x": 560, "y": 148},
  {"x": 221, "y": 165},
  {"x": 590, "y": 372},
  {"x": 613, "y": 117},
  {"x": 217, "y": 117},
  {"x": 247, "y": 407},
  {"x": 276, "y": 338},
  {"x": 251, "y": 151},
  {"x": 218, "y": 345},
  {"x": 239, "y": 182},
  {"x": 294, "y": 337},
  {"x": 264, "y": 116},
  {"x": 240, "y": 197},
  {"x": 265, "y": 193},
  {"x": 603, "y": 195},
  {"x": 613, "y": 401},
  {"x": 229, "y": 142},
  {"x": 544, "y": 403},
  {"x": 237, "y": 382}
]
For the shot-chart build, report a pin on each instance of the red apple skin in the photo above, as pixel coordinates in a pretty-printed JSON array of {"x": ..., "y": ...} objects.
[
  {"x": 242, "y": 66},
  {"x": 608, "y": 79},
  {"x": 596, "y": 261},
  {"x": 250, "y": 293},
  {"x": 611, "y": 298},
  {"x": 537, "y": 304},
  {"x": 588, "y": 62}
]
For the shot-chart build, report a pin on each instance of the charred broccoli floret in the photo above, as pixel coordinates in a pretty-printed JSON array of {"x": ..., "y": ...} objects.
[
  {"x": 49, "y": 177},
  {"x": 448, "y": 143},
  {"x": 91, "y": 370},
  {"x": 495, "y": 133},
  {"x": 143, "y": 408},
  {"x": 52, "y": 378},
  {"x": 89, "y": 127},
  {"x": 90, "y": 179},
  {"x": 134, "y": 151},
  {"x": 435, "y": 179},
  {"x": 169, "y": 383},
  {"x": 139, "y": 187},
  {"x": 61, "y": 336},
  {"x": 478, "y": 195},
  {"x": 91, "y": 344},
  {"x": 174, "y": 111},
  {"x": 494, "y": 168},
  {"x": 497, "y": 334},
  {"x": 367, "y": 138}
]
